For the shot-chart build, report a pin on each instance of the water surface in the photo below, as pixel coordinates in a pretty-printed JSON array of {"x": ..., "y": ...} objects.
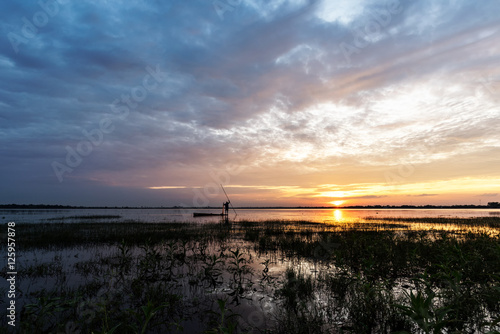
[{"x": 186, "y": 215}]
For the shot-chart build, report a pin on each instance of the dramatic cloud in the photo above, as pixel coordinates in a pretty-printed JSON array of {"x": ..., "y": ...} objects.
[{"x": 298, "y": 102}]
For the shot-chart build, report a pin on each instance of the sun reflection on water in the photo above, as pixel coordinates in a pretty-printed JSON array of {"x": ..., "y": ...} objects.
[{"x": 337, "y": 214}]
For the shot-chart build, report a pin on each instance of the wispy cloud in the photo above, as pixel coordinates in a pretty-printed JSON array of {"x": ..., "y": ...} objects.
[{"x": 268, "y": 88}]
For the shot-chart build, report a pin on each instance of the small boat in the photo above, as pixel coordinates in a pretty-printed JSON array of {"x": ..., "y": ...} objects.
[
  {"x": 202, "y": 214},
  {"x": 225, "y": 209}
]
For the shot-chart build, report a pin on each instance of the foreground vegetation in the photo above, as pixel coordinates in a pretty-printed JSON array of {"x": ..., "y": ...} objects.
[{"x": 432, "y": 275}]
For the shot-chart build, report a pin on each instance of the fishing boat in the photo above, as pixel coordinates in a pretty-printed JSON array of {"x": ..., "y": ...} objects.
[
  {"x": 225, "y": 209},
  {"x": 203, "y": 214}
]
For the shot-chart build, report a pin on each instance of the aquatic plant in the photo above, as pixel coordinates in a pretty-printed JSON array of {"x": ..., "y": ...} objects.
[
  {"x": 226, "y": 322},
  {"x": 380, "y": 276}
]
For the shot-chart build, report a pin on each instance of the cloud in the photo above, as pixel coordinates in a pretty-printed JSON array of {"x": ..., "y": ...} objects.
[
  {"x": 423, "y": 195},
  {"x": 268, "y": 86},
  {"x": 365, "y": 197}
]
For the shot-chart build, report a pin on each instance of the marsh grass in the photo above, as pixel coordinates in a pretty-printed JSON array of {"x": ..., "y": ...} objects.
[
  {"x": 88, "y": 217},
  {"x": 435, "y": 275}
]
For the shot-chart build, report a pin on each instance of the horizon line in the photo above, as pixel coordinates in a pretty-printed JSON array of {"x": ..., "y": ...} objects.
[{"x": 490, "y": 205}]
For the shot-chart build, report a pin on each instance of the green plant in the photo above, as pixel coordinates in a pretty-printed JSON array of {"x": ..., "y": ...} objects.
[
  {"x": 211, "y": 272},
  {"x": 43, "y": 313},
  {"x": 238, "y": 265},
  {"x": 423, "y": 312},
  {"x": 149, "y": 311},
  {"x": 107, "y": 331},
  {"x": 226, "y": 323}
]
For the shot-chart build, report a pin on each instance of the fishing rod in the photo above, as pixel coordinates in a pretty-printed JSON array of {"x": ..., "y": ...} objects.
[{"x": 228, "y": 200}]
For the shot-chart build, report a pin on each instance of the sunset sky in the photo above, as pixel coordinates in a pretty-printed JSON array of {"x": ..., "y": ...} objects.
[{"x": 303, "y": 102}]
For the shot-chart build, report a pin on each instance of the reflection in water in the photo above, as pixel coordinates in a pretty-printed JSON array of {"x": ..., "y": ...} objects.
[
  {"x": 186, "y": 215},
  {"x": 260, "y": 271},
  {"x": 338, "y": 215}
]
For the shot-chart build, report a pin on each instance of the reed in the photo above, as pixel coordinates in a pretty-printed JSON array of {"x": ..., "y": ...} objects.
[{"x": 379, "y": 276}]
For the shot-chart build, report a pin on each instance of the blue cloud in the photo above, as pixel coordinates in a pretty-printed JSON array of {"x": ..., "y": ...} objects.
[{"x": 244, "y": 84}]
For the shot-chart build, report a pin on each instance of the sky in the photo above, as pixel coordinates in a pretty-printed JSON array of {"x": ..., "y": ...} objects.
[{"x": 285, "y": 103}]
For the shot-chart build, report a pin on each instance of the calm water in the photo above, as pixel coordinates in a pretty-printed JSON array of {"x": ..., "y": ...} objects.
[{"x": 182, "y": 215}]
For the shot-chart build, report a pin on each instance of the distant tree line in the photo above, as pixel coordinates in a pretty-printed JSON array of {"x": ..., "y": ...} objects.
[{"x": 55, "y": 206}]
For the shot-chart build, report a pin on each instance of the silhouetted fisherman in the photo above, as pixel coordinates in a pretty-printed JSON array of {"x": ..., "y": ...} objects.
[{"x": 225, "y": 211}]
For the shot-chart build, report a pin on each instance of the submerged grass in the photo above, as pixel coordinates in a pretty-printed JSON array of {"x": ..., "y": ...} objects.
[
  {"x": 56, "y": 235},
  {"x": 379, "y": 276},
  {"x": 88, "y": 217}
]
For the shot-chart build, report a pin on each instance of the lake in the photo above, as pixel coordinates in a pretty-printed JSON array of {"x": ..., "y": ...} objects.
[{"x": 186, "y": 215}]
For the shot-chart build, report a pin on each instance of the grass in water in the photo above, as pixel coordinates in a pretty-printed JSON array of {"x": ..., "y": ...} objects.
[{"x": 400, "y": 275}]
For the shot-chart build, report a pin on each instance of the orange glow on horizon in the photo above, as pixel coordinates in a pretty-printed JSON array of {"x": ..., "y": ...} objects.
[{"x": 461, "y": 191}]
